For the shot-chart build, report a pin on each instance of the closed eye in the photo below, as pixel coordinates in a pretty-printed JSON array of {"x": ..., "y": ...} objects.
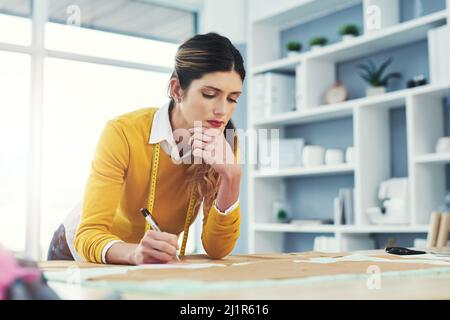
[{"x": 208, "y": 96}]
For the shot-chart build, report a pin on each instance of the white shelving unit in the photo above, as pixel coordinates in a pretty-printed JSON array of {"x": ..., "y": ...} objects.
[{"x": 370, "y": 118}]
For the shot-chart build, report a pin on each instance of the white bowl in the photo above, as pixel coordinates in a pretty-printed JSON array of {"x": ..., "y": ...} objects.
[
  {"x": 350, "y": 155},
  {"x": 443, "y": 145},
  {"x": 334, "y": 157},
  {"x": 313, "y": 156}
]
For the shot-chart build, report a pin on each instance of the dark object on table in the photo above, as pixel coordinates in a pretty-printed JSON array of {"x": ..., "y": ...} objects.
[
  {"x": 418, "y": 80},
  {"x": 403, "y": 251}
]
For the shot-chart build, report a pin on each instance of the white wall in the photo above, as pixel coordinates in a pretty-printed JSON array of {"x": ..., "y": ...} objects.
[{"x": 228, "y": 18}]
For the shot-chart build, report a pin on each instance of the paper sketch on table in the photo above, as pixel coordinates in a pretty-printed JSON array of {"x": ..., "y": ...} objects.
[
  {"x": 77, "y": 275},
  {"x": 358, "y": 257}
]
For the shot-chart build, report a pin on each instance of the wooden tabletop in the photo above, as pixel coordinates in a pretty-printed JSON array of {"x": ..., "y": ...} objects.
[{"x": 403, "y": 287}]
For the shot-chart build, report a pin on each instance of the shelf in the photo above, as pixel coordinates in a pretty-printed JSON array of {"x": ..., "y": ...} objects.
[
  {"x": 344, "y": 109},
  {"x": 301, "y": 171},
  {"x": 286, "y": 227},
  {"x": 325, "y": 112},
  {"x": 433, "y": 158},
  {"x": 383, "y": 229},
  {"x": 283, "y": 65},
  {"x": 398, "y": 35}
]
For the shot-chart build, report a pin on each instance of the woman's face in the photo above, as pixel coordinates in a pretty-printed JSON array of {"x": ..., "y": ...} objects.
[{"x": 211, "y": 99}]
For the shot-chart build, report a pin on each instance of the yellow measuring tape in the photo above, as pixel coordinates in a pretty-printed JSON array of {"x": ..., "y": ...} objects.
[{"x": 151, "y": 198}]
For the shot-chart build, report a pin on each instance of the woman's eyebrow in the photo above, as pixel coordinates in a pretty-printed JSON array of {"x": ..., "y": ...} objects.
[{"x": 217, "y": 89}]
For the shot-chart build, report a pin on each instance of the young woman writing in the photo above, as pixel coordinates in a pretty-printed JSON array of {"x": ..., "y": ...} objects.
[{"x": 140, "y": 163}]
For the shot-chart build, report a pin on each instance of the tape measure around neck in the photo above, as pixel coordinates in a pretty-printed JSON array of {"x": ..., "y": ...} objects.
[{"x": 151, "y": 198}]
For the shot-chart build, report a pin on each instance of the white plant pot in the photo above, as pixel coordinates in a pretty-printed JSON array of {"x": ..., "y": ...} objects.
[
  {"x": 334, "y": 157},
  {"x": 293, "y": 53},
  {"x": 316, "y": 47},
  {"x": 313, "y": 156},
  {"x": 350, "y": 155},
  {"x": 348, "y": 37},
  {"x": 373, "y": 91}
]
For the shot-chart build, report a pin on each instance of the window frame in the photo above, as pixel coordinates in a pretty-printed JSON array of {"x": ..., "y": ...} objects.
[{"x": 38, "y": 53}]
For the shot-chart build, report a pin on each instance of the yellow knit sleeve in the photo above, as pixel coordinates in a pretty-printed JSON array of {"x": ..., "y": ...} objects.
[
  {"x": 220, "y": 232},
  {"x": 102, "y": 193}
]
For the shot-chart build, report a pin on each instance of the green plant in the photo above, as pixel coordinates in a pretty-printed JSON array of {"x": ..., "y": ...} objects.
[
  {"x": 294, "y": 46},
  {"x": 318, "y": 41},
  {"x": 282, "y": 215},
  {"x": 374, "y": 76},
  {"x": 351, "y": 29}
]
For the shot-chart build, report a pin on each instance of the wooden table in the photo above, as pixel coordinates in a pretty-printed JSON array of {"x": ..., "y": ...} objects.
[{"x": 403, "y": 287}]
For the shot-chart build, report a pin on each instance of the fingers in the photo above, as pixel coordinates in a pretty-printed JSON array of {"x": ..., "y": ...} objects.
[
  {"x": 198, "y": 136},
  {"x": 211, "y": 132},
  {"x": 161, "y": 246},
  {"x": 163, "y": 236},
  {"x": 151, "y": 254}
]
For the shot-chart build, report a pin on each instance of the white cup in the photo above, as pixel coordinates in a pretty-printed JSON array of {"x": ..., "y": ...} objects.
[
  {"x": 443, "y": 145},
  {"x": 350, "y": 155},
  {"x": 334, "y": 157},
  {"x": 313, "y": 156}
]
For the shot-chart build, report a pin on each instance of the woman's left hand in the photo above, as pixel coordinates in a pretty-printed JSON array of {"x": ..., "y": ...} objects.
[{"x": 210, "y": 146}]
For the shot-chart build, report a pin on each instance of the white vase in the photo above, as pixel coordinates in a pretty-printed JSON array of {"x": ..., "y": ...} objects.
[
  {"x": 443, "y": 145},
  {"x": 313, "y": 156},
  {"x": 334, "y": 157},
  {"x": 348, "y": 37},
  {"x": 293, "y": 53},
  {"x": 373, "y": 91},
  {"x": 350, "y": 155},
  {"x": 316, "y": 47}
]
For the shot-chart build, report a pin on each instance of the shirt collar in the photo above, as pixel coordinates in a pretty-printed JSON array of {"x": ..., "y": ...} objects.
[
  {"x": 161, "y": 127},
  {"x": 162, "y": 132}
]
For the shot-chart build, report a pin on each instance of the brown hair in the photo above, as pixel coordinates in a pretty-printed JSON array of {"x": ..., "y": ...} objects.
[{"x": 201, "y": 54}]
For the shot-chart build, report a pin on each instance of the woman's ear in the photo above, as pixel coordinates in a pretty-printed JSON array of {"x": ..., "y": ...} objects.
[{"x": 175, "y": 90}]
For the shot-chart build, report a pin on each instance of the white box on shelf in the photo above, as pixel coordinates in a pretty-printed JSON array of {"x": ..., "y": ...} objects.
[
  {"x": 289, "y": 154},
  {"x": 274, "y": 94}
]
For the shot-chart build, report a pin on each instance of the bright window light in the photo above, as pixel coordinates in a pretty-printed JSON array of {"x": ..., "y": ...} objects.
[
  {"x": 109, "y": 45},
  {"x": 15, "y": 30},
  {"x": 79, "y": 98},
  {"x": 14, "y": 146}
]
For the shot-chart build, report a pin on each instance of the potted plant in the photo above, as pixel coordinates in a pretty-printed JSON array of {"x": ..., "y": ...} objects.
[
  {"x": 374, "y": 76},
  {"x": 318, "y": 42},
  {"x": 293, "y": 47},
  {"x": 349, "y": 31}
]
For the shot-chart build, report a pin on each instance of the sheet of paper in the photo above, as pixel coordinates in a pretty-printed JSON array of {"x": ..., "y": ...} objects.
[
  {"x": 427, "y": 259},
  {"x": 78, "y": 275}
]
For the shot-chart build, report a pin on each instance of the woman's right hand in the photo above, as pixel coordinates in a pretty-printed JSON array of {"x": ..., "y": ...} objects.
[{"x": 155, "y": 247}]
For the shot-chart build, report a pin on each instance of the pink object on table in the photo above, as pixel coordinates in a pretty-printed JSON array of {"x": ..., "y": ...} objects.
[{"x": 10, "y": 271}]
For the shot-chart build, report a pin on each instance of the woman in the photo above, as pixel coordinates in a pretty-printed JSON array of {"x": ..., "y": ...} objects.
[{"x": 170, "y": 160}]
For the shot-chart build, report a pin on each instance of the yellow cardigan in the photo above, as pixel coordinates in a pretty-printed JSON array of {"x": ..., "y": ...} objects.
[{"x": 118, "y": 186}]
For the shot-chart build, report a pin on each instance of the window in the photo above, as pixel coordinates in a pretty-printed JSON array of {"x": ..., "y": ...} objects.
[
  {"x": 14, "y": 15},
  {"x": 102, "y": 58},
  {"x": 14, "y": 121}
]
